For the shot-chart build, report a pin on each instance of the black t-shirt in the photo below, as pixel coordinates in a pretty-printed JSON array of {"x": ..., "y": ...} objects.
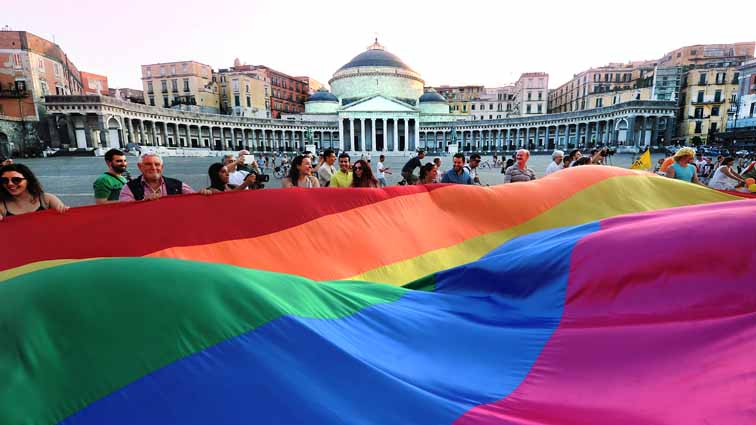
[{"x": 411, "y": 165}]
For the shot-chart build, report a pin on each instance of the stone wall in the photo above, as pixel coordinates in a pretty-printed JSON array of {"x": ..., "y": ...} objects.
[{"x": 18, "y": 136}]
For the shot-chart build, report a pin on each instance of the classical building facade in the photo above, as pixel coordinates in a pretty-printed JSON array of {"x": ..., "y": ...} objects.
[
  {"x": 186, "y": 83},
  {"x": 377, "y": 104},
  {"x": 94, "y": 83},
  {"x": 30, "y": 69}
]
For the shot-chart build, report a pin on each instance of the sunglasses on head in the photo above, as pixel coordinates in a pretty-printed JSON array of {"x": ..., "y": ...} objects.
[{"x": 14, "y": 180}]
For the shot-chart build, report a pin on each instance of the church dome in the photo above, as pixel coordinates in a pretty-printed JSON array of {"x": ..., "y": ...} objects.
[
  {"x": 376, "y": 56},
  {"x": 431, "y": 96},
  {"x": 376, "y": 72},
  {"x": 322, "y": 95}
]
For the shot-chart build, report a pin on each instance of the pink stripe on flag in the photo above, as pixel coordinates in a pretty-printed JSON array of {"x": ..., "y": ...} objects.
[{"x": 659, "y": 326}]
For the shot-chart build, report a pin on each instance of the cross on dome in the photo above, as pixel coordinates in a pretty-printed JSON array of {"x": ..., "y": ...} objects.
[{"x": 376, "y": 45}]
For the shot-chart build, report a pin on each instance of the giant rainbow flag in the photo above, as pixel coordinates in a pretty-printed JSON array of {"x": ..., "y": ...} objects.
[{"x": 593, "y": 296}]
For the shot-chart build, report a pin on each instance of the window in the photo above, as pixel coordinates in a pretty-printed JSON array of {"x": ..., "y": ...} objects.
[
  {"x": 249, "y": 102},
  {"x": 17, "y": 60},
  {"x": 718, "y": 96},
  {"x": 56, "y": 69},
  {"x": 490, "y": 117},
  {"x": 149, "y": 87},
  {"x": 165, "y": 102},
  {"x": 152, "y": 100},
  {"x": 702, "y": 78},
  {"x": 148, "y": 71},
  {"x": 736, "y": 78},
  {"x": 698, "y": 113},
  {"x": 45, "y": 91},
  {"x": 473, "y": 106},
  {"x": 693, "y": 52},
  {"x": 700, "y": 97},
  {"x": 41, "y": 65},
  {"x": 186, "y": 84},
  {"x": 698, "y": 127},
  {"x": 490, "y": 106},
  {"x": 734, "y": 98},
  {"x": 530, "y": 95},
  {"x": 174, "y": 85},
  {"x": 753, "y": 105},
  {"x": 715, "y": 111},
  {"x": 164, "y": 86},
  {"x": 184, "y": 67},
  {"x": 713, "y": 127},
  {"x": 173, "y": 69},
  {"x": 162, "y": 71},
  {"x": 540, "y": 95},
  {"x": 236, "y": 100},
  {"x": 540, "y": 108},
  {"x": 614, "y": 100},
  {"x": 235, "y": 86},
  {"x": 527, "y": 110},
  {"x": 599, "y": 102}
]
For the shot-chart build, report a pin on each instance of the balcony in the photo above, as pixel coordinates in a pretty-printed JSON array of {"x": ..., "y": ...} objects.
[
  {"x": 708, "y": 100},
  {"x": 13, "y": 94}
]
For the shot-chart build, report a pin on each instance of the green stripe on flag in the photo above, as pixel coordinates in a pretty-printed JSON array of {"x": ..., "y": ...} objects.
[{"x": 72, "y": 334}]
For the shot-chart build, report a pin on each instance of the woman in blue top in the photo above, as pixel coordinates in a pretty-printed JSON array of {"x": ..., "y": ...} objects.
[{"x": 682, "y": 169}]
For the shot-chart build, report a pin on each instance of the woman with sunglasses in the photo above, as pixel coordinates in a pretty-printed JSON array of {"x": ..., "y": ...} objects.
[
  {"x": 363, "y": 175},
  {"x": 21, "y": 192}
]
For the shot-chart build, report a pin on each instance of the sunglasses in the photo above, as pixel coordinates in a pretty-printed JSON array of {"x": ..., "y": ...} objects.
[
  {"x": 14, "y": 180},
  {"x": 357, "y": 168}
]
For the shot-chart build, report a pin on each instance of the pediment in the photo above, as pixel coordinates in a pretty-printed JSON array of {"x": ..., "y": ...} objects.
[{"x": 378, "y": 104}]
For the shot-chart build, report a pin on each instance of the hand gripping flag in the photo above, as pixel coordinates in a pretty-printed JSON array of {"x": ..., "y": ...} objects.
[{"x": 529, "y": 304}]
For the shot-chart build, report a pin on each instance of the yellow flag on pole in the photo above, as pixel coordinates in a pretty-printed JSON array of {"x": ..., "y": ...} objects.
[{"x": 644, "y": 162}]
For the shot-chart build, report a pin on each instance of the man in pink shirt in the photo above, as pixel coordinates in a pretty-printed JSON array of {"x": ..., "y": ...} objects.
[{"x": 151, "y": 184}]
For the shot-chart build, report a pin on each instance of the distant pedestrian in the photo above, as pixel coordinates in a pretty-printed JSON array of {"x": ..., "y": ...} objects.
[
  {"x": 382, "y": 170},
  {"x": 556, "y": 164},
  {"x": 21, "y": 193},
  {"x": 409, "y": 168},
  {"x": 107, "y": 187}
]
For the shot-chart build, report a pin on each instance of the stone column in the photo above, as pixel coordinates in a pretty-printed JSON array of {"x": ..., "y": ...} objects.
[
  {"x": 362, "y": 134},
  {"x": 417, "y": 133},
  {"x": 406, "y": 134},
  {"x": 669, "y": 130},
  {"x": 384, "y": 121},
  {"x": 351, "y": 136},
  {"x": 130, "y": 128},
  {"x": 142, "y": 133},
  {"x": 396, "y": 135},
  {"x": 153, "y": 133},
  {"x": 630, "y": 135},
  {"x": 341, "y": 135}
]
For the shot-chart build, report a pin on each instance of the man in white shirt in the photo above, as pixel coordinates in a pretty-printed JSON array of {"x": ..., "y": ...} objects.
[
  {"x": 381, "y": 171},
  {"x": 556, "y": 164},
  {"x": 327, "y": 170}
]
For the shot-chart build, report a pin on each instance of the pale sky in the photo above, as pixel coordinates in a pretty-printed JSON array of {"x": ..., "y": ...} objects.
[{"x": 448, "y": 42}]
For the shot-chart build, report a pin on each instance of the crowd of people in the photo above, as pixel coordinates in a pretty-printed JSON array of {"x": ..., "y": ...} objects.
[
  {"x": 21, "y": 192},
  {"x": 692, "y": 167}
]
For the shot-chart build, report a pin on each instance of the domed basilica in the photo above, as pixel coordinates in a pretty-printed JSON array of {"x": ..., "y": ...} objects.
[{"x": 379, "y": 103}]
